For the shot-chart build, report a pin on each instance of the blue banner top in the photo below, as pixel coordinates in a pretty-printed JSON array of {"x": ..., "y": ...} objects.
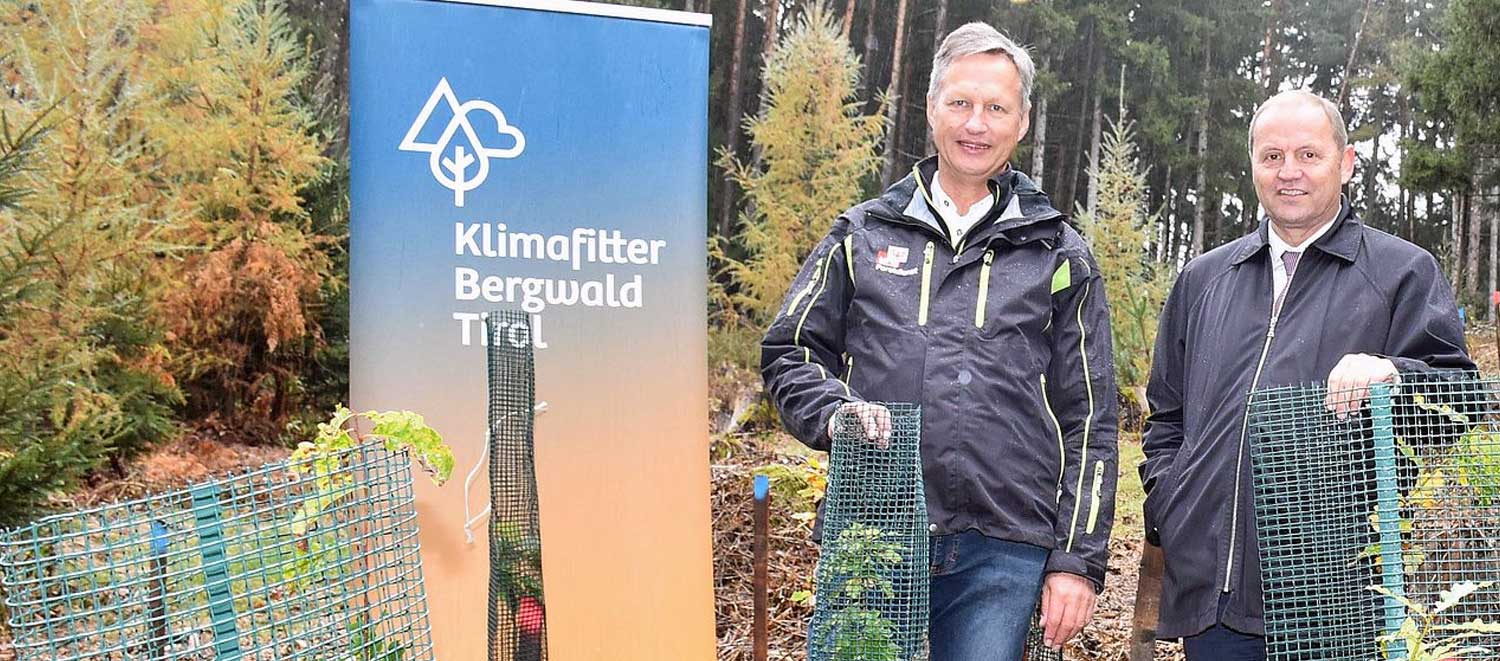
[{"x": 600, "y": 9}]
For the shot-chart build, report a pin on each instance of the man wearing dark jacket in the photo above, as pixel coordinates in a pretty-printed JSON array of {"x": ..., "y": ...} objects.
[
  {"x": 1313, "y": 293},
  {"x": 962, "y": 289}
]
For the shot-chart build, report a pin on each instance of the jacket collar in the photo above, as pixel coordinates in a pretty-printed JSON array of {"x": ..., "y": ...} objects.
[
  {"x": 1342, "y": 240},
  {"x": 1019, "y": 203}
]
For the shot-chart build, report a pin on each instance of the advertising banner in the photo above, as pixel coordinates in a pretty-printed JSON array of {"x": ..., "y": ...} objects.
[{"x": 548, "y": 157}]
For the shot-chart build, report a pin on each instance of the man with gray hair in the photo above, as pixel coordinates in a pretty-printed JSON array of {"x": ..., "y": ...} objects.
[
  {"x": 1312, "y": 293},
  {"x": 962, "y": 289}
]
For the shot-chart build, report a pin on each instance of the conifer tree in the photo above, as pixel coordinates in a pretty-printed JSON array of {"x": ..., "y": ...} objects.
[
  {"x": 236, "y": 149},
  {"x": 1118, "y": 231},
  {"x": 817, "y": 148},
  {"x": 88, "y": 227}
]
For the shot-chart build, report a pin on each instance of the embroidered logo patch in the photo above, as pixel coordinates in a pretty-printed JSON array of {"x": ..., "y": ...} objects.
[{"x": 891, "y": 259}]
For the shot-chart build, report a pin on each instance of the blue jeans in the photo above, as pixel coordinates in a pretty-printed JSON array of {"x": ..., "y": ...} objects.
[
  {"x": 984, "y": 592},
  {"x": 1220, "y": 643}
]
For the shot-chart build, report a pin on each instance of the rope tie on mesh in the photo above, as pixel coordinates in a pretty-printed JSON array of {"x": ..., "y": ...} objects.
[{"x": 471, "y": 520}]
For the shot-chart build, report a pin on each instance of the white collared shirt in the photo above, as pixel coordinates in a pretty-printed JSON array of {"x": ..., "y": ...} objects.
[
  {"x": 958, "y": 224},
  {"x": 1280, "y": 247}
]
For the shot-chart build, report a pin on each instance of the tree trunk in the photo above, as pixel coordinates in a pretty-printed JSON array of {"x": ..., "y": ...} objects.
[
  {"x": 893, "y": 132},
  {"x": 1475, "y": 223},
  {"x": 1494, "y": 245},
  {"x": 1457, "y": 240},
  {"x": 939, "y": 31},
  {"x": 1408, "y": 217},
  {"x": 1359, "y": 34},
  {"x": 732, "y": 123},
  {"x": 1093, "y": 199},
  {"x": 849, "y": 17},
  {"x": 1200, "y": 189},
  {"x": 1039, "y": 141},
  {"x": 1067, "y": 185},
  {"x": 872, "y": 44},
  {"x": 1268, "y": 72},
  {"x": 1168, "y": 221},
  {"x": 773, "y": 19},
  {"x": 1369, "y": 194}
]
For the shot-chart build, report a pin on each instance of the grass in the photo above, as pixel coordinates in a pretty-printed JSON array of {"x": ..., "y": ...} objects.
[{"x": 1129, "y": 497}]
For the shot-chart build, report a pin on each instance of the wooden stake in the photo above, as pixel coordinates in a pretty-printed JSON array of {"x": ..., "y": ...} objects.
[
  {"x": 762, "y": 533},
  {"x": 1495, "y": 302},
  {"x": 1147, "y": 604}
]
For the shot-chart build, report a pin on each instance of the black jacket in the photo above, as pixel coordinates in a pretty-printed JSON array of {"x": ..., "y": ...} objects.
[
  {"x": 1004, "y": 342},
  {"x": 1356, "y": 290}
]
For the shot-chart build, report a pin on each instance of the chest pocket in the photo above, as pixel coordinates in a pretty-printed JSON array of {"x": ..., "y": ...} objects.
[{"x": 1011, "y": 298}]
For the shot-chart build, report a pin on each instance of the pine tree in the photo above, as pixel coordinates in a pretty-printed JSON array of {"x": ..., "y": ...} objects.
[
  {"x": 816, "y": 147},
  {"x": 1118, "y": 231}
]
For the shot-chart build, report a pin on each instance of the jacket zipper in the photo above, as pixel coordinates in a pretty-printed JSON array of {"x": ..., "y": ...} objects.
[
  {"x": 1061, "y": 451},
  {"x": 1234, "y": 505},
  {"x": 984, "y": 289},
  {"x": 926, "y": 284},
  {"x": 1094, "y": 502},
  {"x": 1083, "y": 460}
]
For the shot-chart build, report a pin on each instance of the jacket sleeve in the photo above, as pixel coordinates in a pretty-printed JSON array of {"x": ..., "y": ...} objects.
[
  {"x": 1426, "y": 334},
  {"x": 1164, "y": 398},
  {"x": 801, "y": 354},
  {"x": 1426, "y": 344},
  {"x": 1081, "y": 393}
]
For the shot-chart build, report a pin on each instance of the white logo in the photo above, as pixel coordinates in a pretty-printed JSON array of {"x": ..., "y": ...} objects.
[
  {"x": 453, "y": 171},
  {"x": 891, "y": 259}
]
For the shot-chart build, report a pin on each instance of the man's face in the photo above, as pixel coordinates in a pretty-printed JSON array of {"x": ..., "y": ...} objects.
[
  {"x": 976, "y": 116},
  {"x": 1298, "y": 169}
]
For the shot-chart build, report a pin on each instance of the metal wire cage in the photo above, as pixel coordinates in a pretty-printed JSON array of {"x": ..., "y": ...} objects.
[
  {"x": 872, "y": 579},
  {"x": 1379, "y": 532},
  {"x": 290, "y": 561}
]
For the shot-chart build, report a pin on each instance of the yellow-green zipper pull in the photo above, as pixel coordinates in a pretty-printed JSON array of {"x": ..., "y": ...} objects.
[
  {"x": 926, "y": 284},
  {"x": 984, "y": 288}
]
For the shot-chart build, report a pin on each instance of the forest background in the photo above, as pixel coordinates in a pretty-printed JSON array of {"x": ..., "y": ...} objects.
[{"x": 174, "y": 182}]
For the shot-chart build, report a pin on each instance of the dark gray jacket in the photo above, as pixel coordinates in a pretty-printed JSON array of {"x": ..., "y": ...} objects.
[
  {"x": 1004, "y": 342},
  {"x": 1356, "y": 290}
]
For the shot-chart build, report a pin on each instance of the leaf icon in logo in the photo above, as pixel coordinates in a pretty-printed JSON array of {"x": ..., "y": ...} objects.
[{"x": 452, "y": 157}]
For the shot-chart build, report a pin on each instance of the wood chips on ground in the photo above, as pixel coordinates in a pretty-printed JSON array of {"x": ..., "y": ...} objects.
[{"x": 793, "y": 558}]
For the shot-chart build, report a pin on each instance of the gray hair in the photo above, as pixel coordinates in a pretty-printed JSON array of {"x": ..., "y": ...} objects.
[
  {"x": 973, "y": 39},
  {"x": 1331, "y": 109}
]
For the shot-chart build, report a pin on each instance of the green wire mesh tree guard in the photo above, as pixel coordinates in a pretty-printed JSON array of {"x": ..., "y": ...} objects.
[
  {"x": 517, "y": 612},
  {"x": 229, "y": 569},
  {"x": 1400, "y": 501},
  {"x": 873, "y": 572}
]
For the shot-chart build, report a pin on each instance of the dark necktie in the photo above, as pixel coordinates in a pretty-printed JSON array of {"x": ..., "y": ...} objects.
[{"x": 1289, "y": 260}]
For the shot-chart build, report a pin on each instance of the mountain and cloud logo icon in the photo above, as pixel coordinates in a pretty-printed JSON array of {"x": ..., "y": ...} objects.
[{"x": 460, "y": 159}]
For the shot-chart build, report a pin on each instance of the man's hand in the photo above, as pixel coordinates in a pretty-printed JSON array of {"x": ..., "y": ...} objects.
[
  {"x": 874, "y": 419},
  {"x": 1067, "y": 604},
  {"x": 1349, "y": 382}
]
